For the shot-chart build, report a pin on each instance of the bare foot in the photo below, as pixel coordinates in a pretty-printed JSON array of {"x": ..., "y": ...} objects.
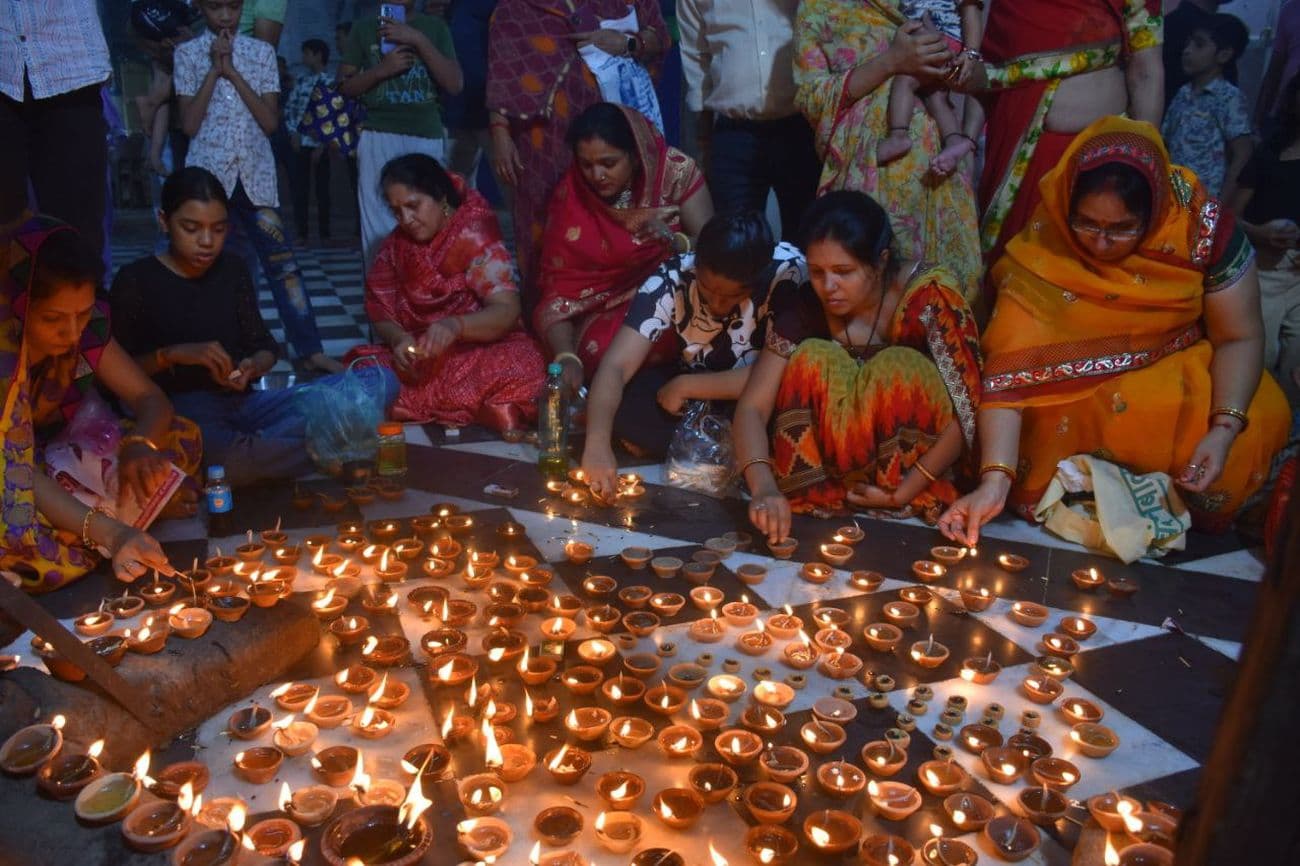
[
  {"x": 896, "y": 145},
  {"x": 948, "y": 159},
  {"x": 324, "y": 363}
]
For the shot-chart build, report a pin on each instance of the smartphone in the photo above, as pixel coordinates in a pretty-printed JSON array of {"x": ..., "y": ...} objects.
[{"x": 393, "y": 12}]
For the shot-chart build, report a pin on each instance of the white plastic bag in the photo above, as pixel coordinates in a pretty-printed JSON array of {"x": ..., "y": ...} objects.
[{"x": 701, "y": 456}]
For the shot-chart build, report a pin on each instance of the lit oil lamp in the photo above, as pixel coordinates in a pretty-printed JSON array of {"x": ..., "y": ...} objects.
[
  {"x": 680, "y": 741},
  {"x": 620, "y": 789},
  {"x": 1077, "y": 627},
  {"x": 942, "y": 778},
  {"x": 618, "y": 832},
  {"x": 840, "y": 779},
  {"x": 587, "y": 723},
  {"x": 310, "y": 806},
  {"x": 1087, "y": 579},
  {"x": 160, "y": 824},
  {"x": 880, "y": 849},
  {"x": 883, "y": 758},
  {"x": 832, "y": 831},
  {"x": 631, "y": 732},
  {"x": 929, "y": 654},
  {"x": 567, "y": 764},
  {"x": 678, "y": 808},
  {"x": 738, "y": 747},
  {"x": 927, "y": 571},
  {"x": 486, "y": 839},
  {"x": 63, "y": 776},
  {"x": 977, "y": 599},
  {"x": 980, "y": 671},
  {"x": 1028, "y": 613},
  {"x": 894, "y": 801},
  {"x": 709, "y": 629},
  {"x": 770, "y": 802},
  {"x": 714, "y": 782}
]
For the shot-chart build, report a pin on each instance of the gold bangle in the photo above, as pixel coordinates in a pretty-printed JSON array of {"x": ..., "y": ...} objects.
[
  {"x": 86, "y": 541},
  {"x": 1005, "y": 468},
  {"x": 137, "y": 439},
  {"x": 685, "y": 240},
  {"x": 1230, "y": 411},
  {"x": 926, "y": 472},
  {"x": 740, "y": 473},
  {"x": 561, "y": 356}
]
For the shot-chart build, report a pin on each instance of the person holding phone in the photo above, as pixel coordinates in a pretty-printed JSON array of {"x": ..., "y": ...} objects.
[{"x": 395, "y": 64}]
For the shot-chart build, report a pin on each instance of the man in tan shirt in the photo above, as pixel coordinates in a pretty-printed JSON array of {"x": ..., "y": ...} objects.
[{"x": 738, "y": 61}]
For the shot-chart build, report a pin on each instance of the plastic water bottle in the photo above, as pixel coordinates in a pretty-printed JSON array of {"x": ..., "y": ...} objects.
[
  {"x": 552, "y": 425},
  {"x": 220, "y": 503}
]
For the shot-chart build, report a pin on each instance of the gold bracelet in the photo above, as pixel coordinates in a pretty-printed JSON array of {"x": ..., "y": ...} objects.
[
  {"x": 561, "y": 356},
  {"x": 740, "y": 473},
  {"x": 137, "y": 439},
  {"x": 926, "y": 472},
  {"x": 86, "y": 541},
  {"x": 1235, "y": 413},
  {"x": 1005, "y": 468},
  {"x": 685, "y": 240}
]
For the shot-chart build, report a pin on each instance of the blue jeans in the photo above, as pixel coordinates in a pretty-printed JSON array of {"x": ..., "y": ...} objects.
[
  {"x": 258, "y": 435},
  {"x": 262, "y": 229},
  {"x": 747, "y": 158}
]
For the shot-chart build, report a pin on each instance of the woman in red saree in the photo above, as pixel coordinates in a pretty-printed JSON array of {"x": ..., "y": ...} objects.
[
  {"x": 442, "y": 297},
  {"x": 537, "y": 84},
  {"x": 627, "y": 203},
  {"x": 1053, "y": 67}
]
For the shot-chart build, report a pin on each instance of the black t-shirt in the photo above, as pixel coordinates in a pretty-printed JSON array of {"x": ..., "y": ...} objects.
[
  {"x": 1276, "y": 185},
  {"x": 153, "y": 307}
]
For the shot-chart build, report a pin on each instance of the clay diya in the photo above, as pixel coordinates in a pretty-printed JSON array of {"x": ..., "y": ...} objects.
[
  {"x": 929, "y": 654},
  {"x": 770, "y": 802},
  {"x": 968, "y": 812},
  {"x": 1004, "y": 765},
  {"x": 678, "y": 808},
  {"x": 836, "y": 554},
  {"x": 948, "y": 555},
  {"x": 1043, "y": 805},
  {"x": 773, "y": 694},
  {"x": 631, "y": 732},
  {"x": 976, "y": 738},
  {"x": 258, "y": 765},
  {"x": 328, "y": 711},
  {"x": 1041, "y": 689},
  {"x": 977, "y": 599},
  {"x": 980, "y": 670},
  {"x": 867, "y": 581},
  {"x": 376, "y": 834},
  {"x": 882, "y": 636},
  {"x": 567, "y": 764},
  {"x": 636, "y": 558},
  {"x": 1056, "y": 773},
  {"x": 739, "y": 614},
  {"x": 558, "y": 825},
  {"x": 840, "y": 779},
  {"x": 1113, "y": 810},
  {"x": 738, "y": 747},
  {"x": 928, "y": 571},
  {"x": 617, "y": 832},
  {"x": 783, "y": 548},
  {"x": 1121, "y": 587},
  {"x": 1011, "y": 838},
  {"x": 883, "y": 757},
  {"x": 63, "y": 776},
  {"x": 587, "y": 723},
  {"x": 894, "y": 801},
  {"x": 901, "y": 613},
  {"x": 1028, "y": 614},
  {"x": 1094, "y": 740},
  {"x": 664, "y": 699},
  {"x": 1060, "y": 645},
  {"x": 1077, "y": 627},
  {"x": 249, "y": 723},
  {"x": 832, "y": 831},
  {"x": 941, "y": 778},
  {"x": 1087, "y": 579},
  {"x": 29, "y": 748},
  {"x": 880, "y": 849}
]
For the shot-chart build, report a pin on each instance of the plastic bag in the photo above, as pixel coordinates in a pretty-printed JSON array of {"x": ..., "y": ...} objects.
[
  {"x": 700, "y": 456},
  {"x": 342, "y": 415}
]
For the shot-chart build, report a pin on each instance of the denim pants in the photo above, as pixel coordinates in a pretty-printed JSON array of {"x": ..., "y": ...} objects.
[
  {"x": 258, "y": 435},
  {"x": 747, "y": 158},
  {"x": 262, "y": 229}
]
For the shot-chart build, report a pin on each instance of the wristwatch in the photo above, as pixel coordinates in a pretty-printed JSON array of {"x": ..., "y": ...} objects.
[{"x": 633, "y": 46}]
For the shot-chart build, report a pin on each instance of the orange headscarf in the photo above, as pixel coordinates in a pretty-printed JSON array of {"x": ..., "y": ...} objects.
[{"x": 1064, "y": 321}]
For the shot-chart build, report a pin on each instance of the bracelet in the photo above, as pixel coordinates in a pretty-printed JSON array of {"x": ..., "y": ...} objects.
[
  {"x": 919, "y": 467},
  {"x": 1235, "y": 413},
  {"x": 685, "y": 241},
  {"x": 973, "y": 54},
  {"x": 740, "y": 473},
  {"x": 137, "y": 439},
  {"x": 86, "y": 540},
  {"x": 561, "y": 357},
  {"x": 1005, "y": 468}
]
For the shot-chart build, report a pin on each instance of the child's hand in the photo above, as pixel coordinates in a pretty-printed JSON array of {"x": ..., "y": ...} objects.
[{"x": 963, "y": 70}]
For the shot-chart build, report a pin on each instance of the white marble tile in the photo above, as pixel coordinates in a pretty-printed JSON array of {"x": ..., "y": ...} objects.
[
  {"x": 550, "y": 532},
  {"x": 521, "y": 451},
  {"x": 1239, "y": 564},
  {"x": 1109, "y": 631},
  {"x": 1141, "y": 755},
  {"x": 1229, "y": 648},
  {"x": 416, "y": 435}
]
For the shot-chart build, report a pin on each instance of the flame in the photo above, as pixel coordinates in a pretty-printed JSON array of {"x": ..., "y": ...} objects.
[
  {"x": 523, "y": 662},
  {"x": 1112, "y": 856},
  {"x": 284, "y": 723},
  {"x": 367, "y": 717},
  {"x": 447, "y": 724},
  {"x": 185, "y": 800},
  {"x": 958, "y": 817},
  {"x": 340, "y": 569},
  {"x": 378, "y": 693},
  {"x": 295, "y": 851},
  {"x": 311, "y": 705},
  {"x": 535, "y": 856},
  {"x": 383, "y": 561},
  {"x": 873, "y": 789},
  {"x": 371, "y": 643},
  {"x": 141, "y": 771},
  {"x": 558, "y": 760},
  {"x": 600, "y": 822},
  {"x": 281, "y": 689},
  {"x": 766, "y": 855},
  {"x": 666, "y": 811},
  {"x": 718, "y": 859},
  {"x": 235, "y": 819},
  {"x": 472, "y": 697},
  {"x": 682, "y": 744},
  {"x": 174, "y": 609},
  {"x": 619, "y": 792},
  {"x": 1009, "y": 769},
  {"x": 95, "y": 748},
  {"x": 528, "y": 705},
  {"x": 414, "y": 805},
  {"x": 936, "y": 831},
  {"x": 360, "y": 778},
  {"x": 617, "y": 694},
  {"x": 247, "y": 843},
  {"x": 286, "y": 797},
  {"x": 323, "y": 602},
  {"x": 571, "y": 720},
  {"x": 445, "y": 672},
  {"x": 496, "y": 653},
  {"x": 1133, "y": 823},
  {"x": 492, "y": 756},
  {"x": 819, "y": 837}
]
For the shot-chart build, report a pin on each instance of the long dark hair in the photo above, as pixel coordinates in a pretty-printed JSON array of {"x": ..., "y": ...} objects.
[
  {"x": 423, "y": 173},
  {"x": 855, "y": 221}
]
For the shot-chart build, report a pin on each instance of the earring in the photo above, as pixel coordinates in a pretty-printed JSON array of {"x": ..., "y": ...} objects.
[{"x": 446, "y": 209}]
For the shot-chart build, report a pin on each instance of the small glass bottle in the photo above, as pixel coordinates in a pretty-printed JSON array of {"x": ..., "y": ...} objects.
[{"x": 390, "y": 461}]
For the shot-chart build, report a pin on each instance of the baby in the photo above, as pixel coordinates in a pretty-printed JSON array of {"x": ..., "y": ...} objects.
[{"x": 961, "y": 23}]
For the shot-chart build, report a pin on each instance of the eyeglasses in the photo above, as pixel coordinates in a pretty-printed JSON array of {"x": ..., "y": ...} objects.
[{"x": 1109, "y": 234}]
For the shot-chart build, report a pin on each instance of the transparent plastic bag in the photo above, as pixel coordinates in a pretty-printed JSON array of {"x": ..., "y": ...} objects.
[
  {"x": 701, "y": 456},
  {"x": 342, "y": 416}
]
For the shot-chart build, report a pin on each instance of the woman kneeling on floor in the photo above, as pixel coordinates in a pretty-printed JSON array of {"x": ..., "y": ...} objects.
[
  {"x": 55, "y": 348},
  {"x": 190, "y": 318},
  {"x": 442, "y": 297},
  {"x": 873, "y": 375}
]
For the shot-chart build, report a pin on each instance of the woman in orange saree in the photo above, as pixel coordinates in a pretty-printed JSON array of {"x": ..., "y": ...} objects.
[
  {"x": 627, "y": 203},
  {"x": 1127, "y": 326}
]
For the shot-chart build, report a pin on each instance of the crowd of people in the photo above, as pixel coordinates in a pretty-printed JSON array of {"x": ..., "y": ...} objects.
[{"x": 934, "y": 327}]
